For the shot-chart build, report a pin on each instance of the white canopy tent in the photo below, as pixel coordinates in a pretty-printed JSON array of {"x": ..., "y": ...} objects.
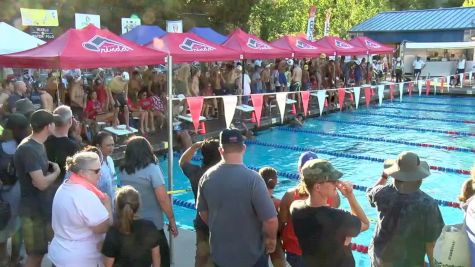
[{"x": 14, "y": 40}]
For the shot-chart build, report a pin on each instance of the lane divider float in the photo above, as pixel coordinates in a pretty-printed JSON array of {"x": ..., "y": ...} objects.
[
  {"x": 411, "y": 117},
  {"x": 427, "y": 110}
]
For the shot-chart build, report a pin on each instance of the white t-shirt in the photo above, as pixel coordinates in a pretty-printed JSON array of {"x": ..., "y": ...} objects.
[
  {"x": 247, "y": 84},
  {"x": 75, "y": 211},
  {"x": 418, "y": 64},
  {"x": 461, "y": 64}
]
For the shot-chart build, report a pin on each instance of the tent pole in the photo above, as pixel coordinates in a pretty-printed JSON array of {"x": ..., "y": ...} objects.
[
  {"x": 242, "y": 81},
  {"x": 170, "y": 145},
  {"x": 58, "y": 87}
]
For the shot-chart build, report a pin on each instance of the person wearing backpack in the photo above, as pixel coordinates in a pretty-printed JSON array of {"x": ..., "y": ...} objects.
[{"x": 16, "y": 128}]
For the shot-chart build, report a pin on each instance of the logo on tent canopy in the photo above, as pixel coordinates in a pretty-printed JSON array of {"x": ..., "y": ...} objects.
[
  {"x": 191, "y": 45},
  {"x": 371, "y": 44},
  {"x": 256, "y": 44},
  {"x": 303, "y": 45},
  {"x": 343, "y": 45},
  {"x": 105, "y": 45}
]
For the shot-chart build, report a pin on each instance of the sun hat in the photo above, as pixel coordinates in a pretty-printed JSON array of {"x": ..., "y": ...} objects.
[
  {"x": 24, "y": 106},
  {"x": 319, "y": 171},
  {"x": 304, "y": 157},
  {"x": 407, "y": 167}
]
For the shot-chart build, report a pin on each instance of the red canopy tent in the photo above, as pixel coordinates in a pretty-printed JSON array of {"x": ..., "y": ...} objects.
[
  {"x": 301, "y": 47},
  {"x": 189, "y": 47},
  {"x": 371, "y": 46},
  {"x": 252, "y": 47},
  {"x": 89, "y": 47},
  {"x": 340, "y": 46}
]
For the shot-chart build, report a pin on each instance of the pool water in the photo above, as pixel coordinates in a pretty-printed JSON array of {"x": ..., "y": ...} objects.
[{"x": 346, "y": 152}]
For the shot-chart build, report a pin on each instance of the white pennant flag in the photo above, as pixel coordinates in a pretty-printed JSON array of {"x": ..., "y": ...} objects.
[
  {"x": 381, "y": 93},
  {"x": 436, "y": 81},
  {"x": 470, "y": 77},
  {"x": 321, "y": 94},
  {"x": 461, "y": 79},
  {"x": 281, "y": 100},
  {"x": 401, "y": 91},
  {"x": 419, "y": 87},
  {"x": 230, "y": 103},
  {"x": 447, "y": 81},
  {"x": 357, "y": 91}
]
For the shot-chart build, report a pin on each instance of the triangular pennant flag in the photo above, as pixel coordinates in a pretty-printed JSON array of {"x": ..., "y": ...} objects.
[
  {"x": 391, "y": 91},
  {"x": 427, "y": 87},
  {"x": 321, "y": 95},
  {"x": 442, "y": 83},
  {"x": 196, "y": 105},
  {"x": 367, "y": 95},
  {"x": 436, "y": 81},
  {"x": 357, "y": 96},
  {"x": 381, "y": 93},
  {"x": 281, "y": 100},
  {"x": 461, "y": 76},
  {"x": 470, "y": 77},
  {"x": 448, "y": 83},
  {"x": 411, "y": 88},
  {"x": 257, "y": 104},
  {"x": 341, "y": 97},
  {"x": 401, "y": 91},
  {"x": 305, "y": 99},
  {"x": 230, "y": 103},
  {"x": 419, "y": 87}
]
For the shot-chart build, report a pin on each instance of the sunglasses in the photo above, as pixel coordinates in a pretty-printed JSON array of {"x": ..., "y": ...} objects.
[{"x": 96, "y": 171}]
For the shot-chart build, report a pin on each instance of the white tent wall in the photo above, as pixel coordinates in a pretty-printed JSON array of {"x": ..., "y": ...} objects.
[{"x": 13, "y": 40}]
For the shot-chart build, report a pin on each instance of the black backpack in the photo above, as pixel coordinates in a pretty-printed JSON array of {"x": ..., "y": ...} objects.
[{"x": 7, "y": 168}]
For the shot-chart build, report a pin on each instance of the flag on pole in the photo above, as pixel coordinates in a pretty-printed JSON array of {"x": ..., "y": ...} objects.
[
  {"x": 311, "y": 22},
  {"x": 326, "y": 29}
]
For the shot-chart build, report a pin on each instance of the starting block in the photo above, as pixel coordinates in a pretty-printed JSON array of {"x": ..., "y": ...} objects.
[
  {"x": 245, "y": 108},
  {"x": 187, "y": 118},
  {"x": 121, "y": 130}
]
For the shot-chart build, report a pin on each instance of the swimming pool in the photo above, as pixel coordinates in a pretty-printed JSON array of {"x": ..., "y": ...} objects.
[{"x": 440, "y": 129}]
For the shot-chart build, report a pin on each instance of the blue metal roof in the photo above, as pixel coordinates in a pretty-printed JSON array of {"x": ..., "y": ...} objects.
[{"x": 419, "y": 20}]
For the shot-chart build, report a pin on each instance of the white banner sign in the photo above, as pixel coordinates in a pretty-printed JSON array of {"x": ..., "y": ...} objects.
[
  {"x": 82, "y": 20},
  {"x": 175, "y": 26},
  {"x": 230, "y": 103},
  {"x": 129, "y": 23}
]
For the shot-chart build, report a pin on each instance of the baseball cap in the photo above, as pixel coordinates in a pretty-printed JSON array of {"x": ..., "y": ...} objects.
[
  {"x": 15, "y": 120},
  {"x": 318, "y": 171},
  {"x": 24, "y": 106},
  {"x": 42, "y": 118},
  {"x": 230, "y": 136},
  {"x": 304, "y": 157}
]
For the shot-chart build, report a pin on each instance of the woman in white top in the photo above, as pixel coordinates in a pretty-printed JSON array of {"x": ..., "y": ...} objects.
[{"x": 81, "y": 215}]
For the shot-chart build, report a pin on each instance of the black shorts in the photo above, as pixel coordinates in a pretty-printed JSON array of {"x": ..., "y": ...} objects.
[
  {"x": 78, "y": 113},
  {"x": 37, "y": 233},
  {"x": 295, "y": 87},
  {"x": 119, "y": 100},
  {"x": 417, "y": 72}
]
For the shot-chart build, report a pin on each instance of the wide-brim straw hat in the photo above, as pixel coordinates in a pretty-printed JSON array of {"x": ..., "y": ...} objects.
[{"x": 407, "y": 167}]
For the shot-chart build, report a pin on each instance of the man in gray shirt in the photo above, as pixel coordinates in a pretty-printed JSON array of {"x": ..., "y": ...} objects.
[{"x": 234, "y": 202}]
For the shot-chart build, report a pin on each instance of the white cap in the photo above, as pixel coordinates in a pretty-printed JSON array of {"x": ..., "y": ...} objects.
[
  {"x": 125, "y": 76},
  {"x": 398, "y": 59},
  {"x": 290, "y": 62},
  {"x": 239, "y": 67}
]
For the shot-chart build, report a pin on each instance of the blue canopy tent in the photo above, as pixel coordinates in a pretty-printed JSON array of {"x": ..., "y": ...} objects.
[
  {"x": 144, "y": 34},
  {"x": 209, "y": 34}
]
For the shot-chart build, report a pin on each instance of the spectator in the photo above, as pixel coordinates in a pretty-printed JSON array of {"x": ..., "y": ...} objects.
[
  {"x": 81, "y": 214},
  {"x": 141, "y": 170},
  {"x": 399, "y": 70},
  {"x": 469, "y": 207},
  {"x": 96, "y": 111},
  {"x": 19, "y": 91},
  {"x": 418, "y": 65},
  {"x": 241, "y": 203},
  {"x": 137, "y": 111},
  {"x": 77, "y": 95},
  {"x": 36, "y": 175},
  {"x": 24, "y": 106},
  {"x": 158, "y": 111},
  {"x": 131, "y": 241},
  {"x": 211, "y": 156},
  {"x": 7, "y": 90},
  {"x": 296, "y": 79},
  {"x": 17, "y": 127},
  {"x": 119, "y": 89},
  {"x": 269, "y": 175},
  {"x": 290, "y": 243},
  {"x": 323, "y": 232},
  {"x": 108, "y": 180},
  {"x": 409, "y": 214}
]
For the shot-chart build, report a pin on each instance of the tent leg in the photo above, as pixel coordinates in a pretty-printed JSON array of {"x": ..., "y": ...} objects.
[{"x": 170, "y": 145}]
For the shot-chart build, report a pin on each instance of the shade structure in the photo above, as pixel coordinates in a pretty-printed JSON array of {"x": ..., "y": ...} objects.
[
  {"x": 252, "y": 47},
  {"x": 301, "y": 47},
  {"x": 371, "y": 45},
  {"x": 144, "y": 34},
  {"x": 13, "y": 40},
  {"x": 340, "y": 46},
  {"x": 189, "y": 47},
  {"x": 89, "y": 47},
  {"x": 209, "y": 34}
]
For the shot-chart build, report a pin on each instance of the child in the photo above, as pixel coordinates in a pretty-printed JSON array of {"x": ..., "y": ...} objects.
[
  {"x": 130, "y": 241},
  {"x": 137, "y": 111}
]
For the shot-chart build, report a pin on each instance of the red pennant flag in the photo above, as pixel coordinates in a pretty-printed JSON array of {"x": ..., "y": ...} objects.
[
  {"x": 391, "y": 91},
  {"x": 427, "y": 87},
  {"x": 442, "y": 83},
  {"x": 257, "y": 104},
  {"x": 352, "y": 98},
  {"x": 305, "y": 100},
  {"x": 367, "y": 95},
  {"x": 326, "y": 103},
  {"x": 196, "y": 105},
  {"x": 410, "y": 88},
  {"x": 341, "y": 97}
]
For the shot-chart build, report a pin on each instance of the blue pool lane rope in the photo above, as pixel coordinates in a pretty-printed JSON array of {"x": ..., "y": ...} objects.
[
  {"x": 345, "y": 155},
  {"x": 379, "y": 139},
  {"x": 425, "y": 110},
  {"x": 398, "y": 127},
  {"x": 389, "y": 115},
  {"x": 439, "y": 104}
]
